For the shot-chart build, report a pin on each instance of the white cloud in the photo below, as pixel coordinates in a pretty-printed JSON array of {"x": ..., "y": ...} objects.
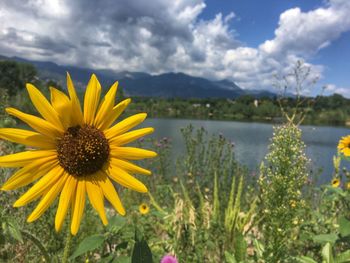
[
  {"x": 160, "y": 36},
  {"x": 332, "y": 88},
  {"x": 304, "y": 34}
]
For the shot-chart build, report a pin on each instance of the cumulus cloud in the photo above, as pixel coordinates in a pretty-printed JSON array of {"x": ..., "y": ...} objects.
[
  {"x": 332, "y": 88},
  {"x": 304, "y": 34},
  {"x": 160, "y": 36}
]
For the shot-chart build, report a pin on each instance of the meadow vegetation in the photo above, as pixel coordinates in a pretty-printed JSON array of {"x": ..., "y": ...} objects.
[{"x": 202, "y": 206}]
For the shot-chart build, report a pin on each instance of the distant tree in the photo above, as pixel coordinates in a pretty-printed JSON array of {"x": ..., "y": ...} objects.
[
  {"x": 14, "y": 75},
  {"x": 54, "y": 84},
  {"x": 120, "y": 94},
  {"x": 246, "y": 99},
  {"x": 10, "y": 77},
  {"x": 27, "y": 73},
  {"x": 267, "y": 109},
  {"x": 337, "y": 101}
]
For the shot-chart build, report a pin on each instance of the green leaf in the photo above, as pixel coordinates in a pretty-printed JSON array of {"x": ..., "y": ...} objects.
[
  {"x": 2, "y": 238},
  {"x": 122, "y": 259},
  {"x": 240, "y": 246},
  {"x": 116, "y": 223},
  {"x": 230, "y": 258},
  {"x": 305, "y": 236},
  {"x": 327, "y": 253},
  {"x": 108, "y": 259},
  {"x": 343, "y": 257},
  {"x": 158, "y": 214},
  {"x": 141, "y": 253},
  {"x": 122, "y": 245},
  {"x": 324, "y": 238},
  {"x": 55, "y": 259},
  {"x": 115, "y": 259},
  {"x": 14, "y": 230},
  {"x": 344, "y": 226},
  {"x": 259, "y": 248},
  {"x": 88, "y": 244},
  {"x": 138, "y": 234},
  {"x": 304, "y": 259},
  {"x": 336, "y": 190}
]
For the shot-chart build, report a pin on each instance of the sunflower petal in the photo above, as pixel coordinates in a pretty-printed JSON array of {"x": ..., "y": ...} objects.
[
  {"x": 114, "y": 114},
  {"x": 128, "y": 166},
  {"x": 96, "y": 199},
  {"x": 38, "y": 124},
  {"x": 77, "y": 115},
  {"x": 79, "y": 206},
  {"x": 91, "y": 100},
  {"x": 67, "y": 194},
  {"x": 30, "y": 173},
  {"x": 106, "y": 106},
  {"x": 131, "y": 153},
  {"x": 44, "y": 107},
  {"x": 48, "y": 199},
  {"x": 24, "y": 158},
  {"x": 28, "y": 138},
  {"x": 346, "y": 152},
  {"x": 110, "y": 193},
  {"x": 39, "y": 188},
  {"x": 130, "y": 136},
  {"x": 125, "y": 179},
  {"x": 125, "y": 125},
  {"x": 63, "y": 106}
]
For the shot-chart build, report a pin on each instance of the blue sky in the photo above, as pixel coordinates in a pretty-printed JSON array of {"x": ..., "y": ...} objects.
[
  {"x": 336, "y": 59},
  {"x": 247, "y": 41},
  {"x": 256, "y": 20}
]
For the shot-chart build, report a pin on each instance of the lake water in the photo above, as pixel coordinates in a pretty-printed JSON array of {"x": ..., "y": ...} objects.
[{"x": 252, "y": 139}]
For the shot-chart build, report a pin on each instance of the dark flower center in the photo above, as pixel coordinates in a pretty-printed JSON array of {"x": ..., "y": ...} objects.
[{"x": 82, "y": 150}]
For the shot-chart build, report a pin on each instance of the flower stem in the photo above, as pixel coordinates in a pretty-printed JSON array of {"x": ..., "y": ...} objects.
[
  {"x": 67, "y": 246},
  {"x": 155, "y": 204},
  {"x": 39, "y": 245}
]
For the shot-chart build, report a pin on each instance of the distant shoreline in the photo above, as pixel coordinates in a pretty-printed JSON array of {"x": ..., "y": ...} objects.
[{"x": 272, "y": 122}]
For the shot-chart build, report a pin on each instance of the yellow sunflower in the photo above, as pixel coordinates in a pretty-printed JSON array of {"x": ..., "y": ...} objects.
[
  {"x": 335, "y": 182},
  {"x": 76, "y": 152},
  {"x": 344, "y": 146},
  {"x": 144, "y": 209}
]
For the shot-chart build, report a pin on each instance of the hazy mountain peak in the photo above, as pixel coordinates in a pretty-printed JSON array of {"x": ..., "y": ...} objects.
[{"x": 167, "y": 85}]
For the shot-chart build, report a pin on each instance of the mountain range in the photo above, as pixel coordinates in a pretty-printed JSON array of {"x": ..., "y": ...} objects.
[{"x": 167, "y": 85}]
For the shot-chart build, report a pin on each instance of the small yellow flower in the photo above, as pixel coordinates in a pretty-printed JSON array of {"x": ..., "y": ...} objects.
[
  {"x": 293, "y": 203},
  {"x": 144, "y": 209},
  {"x": 344, "y": 146},
  {"x": 348, "y": 185},
  {"x": 335, "y": 182}
]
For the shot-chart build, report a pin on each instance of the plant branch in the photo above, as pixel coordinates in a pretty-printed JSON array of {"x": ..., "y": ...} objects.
[{"x": 39, "y": 245}]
